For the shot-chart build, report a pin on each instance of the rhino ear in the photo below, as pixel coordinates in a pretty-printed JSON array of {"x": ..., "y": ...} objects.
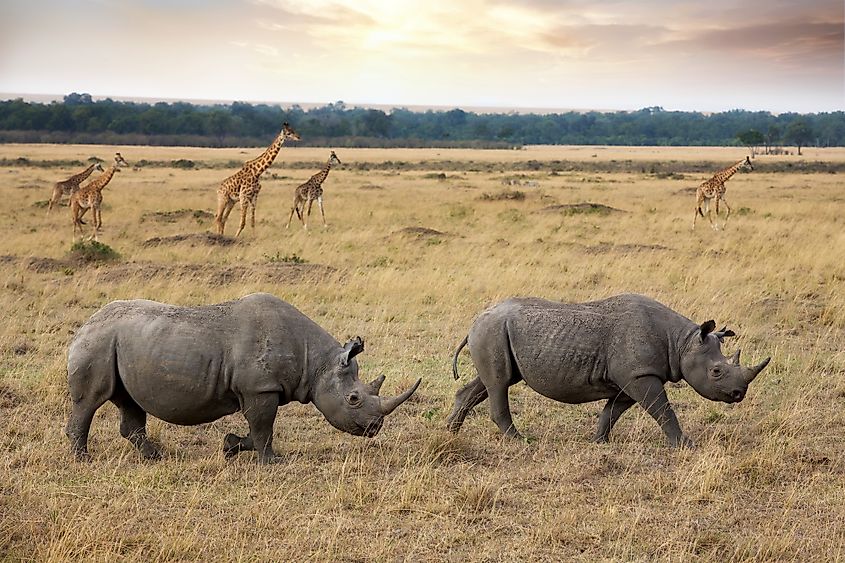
[
  {"x": 351, "y": 349},
  {"x": 706, "y": 328},
  {"x": 723, "y": 333}
]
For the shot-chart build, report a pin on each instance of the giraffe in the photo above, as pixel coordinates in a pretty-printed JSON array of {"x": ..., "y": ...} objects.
[
  {"x": 67, "y": 187},
  {"x": 90, "y": 196},
  {"x": 714, "y": 188},
  {"x": 243, "y": 185},
  {"x": 309, "y": 191}
]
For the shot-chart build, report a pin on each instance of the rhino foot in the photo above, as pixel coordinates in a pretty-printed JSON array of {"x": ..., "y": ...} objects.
[
  {"x": 682, "y": 442},
  {"x": 150, "y": 451},
  {"x": 82, "y": 456},
  {"x": 232, "y": 445}
]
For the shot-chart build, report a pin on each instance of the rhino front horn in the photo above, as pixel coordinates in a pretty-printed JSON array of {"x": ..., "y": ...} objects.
[
  {"x": 751, "y": 373},
  {"x": 389, "y": 405}
]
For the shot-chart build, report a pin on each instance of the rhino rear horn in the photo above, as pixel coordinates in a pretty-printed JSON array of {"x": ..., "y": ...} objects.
[
  {"x": 389, "y": 405},
  {"x": 352, "y": 349},
  {"x": 706, "y": 328},
  {"x": 375, "y": 384},
  {"x": 735, "y": 357}
]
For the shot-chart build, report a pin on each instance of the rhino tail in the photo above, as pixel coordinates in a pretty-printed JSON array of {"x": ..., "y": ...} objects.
[{"x": 455, "y": 357}]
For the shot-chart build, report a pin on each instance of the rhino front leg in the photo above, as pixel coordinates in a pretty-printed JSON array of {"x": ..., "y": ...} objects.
[
  {"x": 466, "y": 399},
  {"x": 613, "y": 409},
  {"x": 260, "y": 413},
  {"x": 648, "y": 391}
]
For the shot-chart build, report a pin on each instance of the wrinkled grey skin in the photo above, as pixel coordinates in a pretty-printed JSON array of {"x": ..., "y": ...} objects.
[
  {"x": 623, "y": 349},
  {"x": 193, "y": 365}
]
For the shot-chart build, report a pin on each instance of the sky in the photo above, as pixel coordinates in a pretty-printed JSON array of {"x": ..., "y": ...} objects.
[{"x": 691, "y": 55}]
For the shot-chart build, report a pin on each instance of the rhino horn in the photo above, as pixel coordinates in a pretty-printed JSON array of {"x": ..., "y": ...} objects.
[
  {"x": 751, "y": 373},
  {"x": 735, "y": 357},
  {"x": 389, "y": 405},
  {"x": 375, "y": 384}
]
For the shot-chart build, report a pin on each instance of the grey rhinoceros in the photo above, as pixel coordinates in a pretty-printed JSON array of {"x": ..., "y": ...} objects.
[
  {"x": 622, "y": 349},
  {"x": 192, "y": 365}
]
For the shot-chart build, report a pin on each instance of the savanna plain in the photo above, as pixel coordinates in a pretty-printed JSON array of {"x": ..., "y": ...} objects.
[{"x": 418, "y": 243}]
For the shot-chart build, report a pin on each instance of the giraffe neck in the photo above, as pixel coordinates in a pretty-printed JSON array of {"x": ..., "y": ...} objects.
[
  {"x": 723, "y": 175},
  {"x": 324, "y": 173},
  {"x": 101, "y": 181},
  {"x": 257, "y": 166},
  {"x": 84, "y": 174}
]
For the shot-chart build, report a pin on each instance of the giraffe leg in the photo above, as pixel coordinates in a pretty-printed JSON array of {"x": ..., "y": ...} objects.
[
  {"x": 244, "y": 209},
  {"x": 55, "y": 198},
  {"x": 252, "y": 206},
  {"x": 223, "y": 202},
  {"x": 305, "y": 215},
  {"x": 727, "y": 212},
  {"x": 697, "y": 211},
  {"x": 320, "y": 203},
  {"x": 297, "y": 201}
]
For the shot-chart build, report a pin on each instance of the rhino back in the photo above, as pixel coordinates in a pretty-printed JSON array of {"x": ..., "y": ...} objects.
[
  {"x": 189, "y": 365},
  {"x": 580, "y": 352}
]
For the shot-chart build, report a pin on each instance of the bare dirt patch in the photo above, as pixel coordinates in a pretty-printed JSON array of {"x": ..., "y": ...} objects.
[
  {"x": 194, "y": 239},
  {"x": 607, "y": 248},
  {"x": 215, "y": 275},
  {"x": 420, "y": 232},
  {"x": 581, "y": 209},
  {"x": 176, "y": 215},
  {"x": 8, "y": 398},
  {"x": 507, "y": 195}
]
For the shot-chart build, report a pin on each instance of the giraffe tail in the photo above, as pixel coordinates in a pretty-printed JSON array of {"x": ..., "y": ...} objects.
[{"x": 455, "y": 357}]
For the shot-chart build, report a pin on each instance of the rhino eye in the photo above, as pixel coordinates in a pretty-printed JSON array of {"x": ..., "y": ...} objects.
[
  {"x": 717, "y": 372},
  {"x": 353, "y": 398}
]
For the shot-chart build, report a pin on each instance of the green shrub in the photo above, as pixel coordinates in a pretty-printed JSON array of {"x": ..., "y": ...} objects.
[{"x": 93, "y": 251}]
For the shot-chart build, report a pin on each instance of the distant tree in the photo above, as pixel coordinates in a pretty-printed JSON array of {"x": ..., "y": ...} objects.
[
  {"x": 773, "y": 135},
  {"x": 751, "y": 139},
  {"x": 74, "y": 99},
  {"x": 799, "y": 133}
]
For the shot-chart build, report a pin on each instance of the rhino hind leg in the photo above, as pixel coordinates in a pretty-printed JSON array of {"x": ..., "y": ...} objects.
[
  {"x": 497, "y": 370},
  {"x": 613, "y": 409},
  {"x": 467, "y": 398},
  {"x": 133, "y": 425},
  {"x": 79, "y": 425},
  {"x": 91, "y": 384}
]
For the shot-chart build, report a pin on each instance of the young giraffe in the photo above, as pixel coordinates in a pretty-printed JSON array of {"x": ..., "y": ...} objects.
[
  {"x": 67, "y": 187},
  {"x": 90, "y": 196},
  {"x": 243, "y": 185},
  {"x": 309, "y": 191},
  {"x": 714, "y": 188}
]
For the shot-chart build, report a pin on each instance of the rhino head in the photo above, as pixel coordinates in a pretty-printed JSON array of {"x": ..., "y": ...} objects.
[
  {"x": 711, "y": 374},
  {"x": 348, "y": 403}
]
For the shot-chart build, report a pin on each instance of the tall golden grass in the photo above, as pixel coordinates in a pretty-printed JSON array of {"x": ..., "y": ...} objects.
[{"x": 766, "y": 481}]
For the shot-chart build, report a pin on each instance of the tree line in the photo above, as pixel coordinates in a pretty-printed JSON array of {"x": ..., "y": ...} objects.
[{"x": 80, "y": 119}]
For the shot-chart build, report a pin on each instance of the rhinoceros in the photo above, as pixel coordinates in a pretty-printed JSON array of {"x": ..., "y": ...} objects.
[
  {"x": 193, "y": 365},
  {"x": 623, "y": 349}
]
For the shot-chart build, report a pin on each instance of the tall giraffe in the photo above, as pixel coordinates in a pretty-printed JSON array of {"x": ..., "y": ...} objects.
[
  {"x": 243, "y": 185},
  {"x": 309, "y": 191},
  {"x": 67, "y": 187},
  {"x": 714, "y": 188},
  {"x": 90, "y": 196}
]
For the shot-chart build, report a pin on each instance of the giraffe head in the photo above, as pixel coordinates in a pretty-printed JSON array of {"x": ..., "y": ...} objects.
[
  {"x": 99, "y": 167},
  {"x": 289, "y": 133},
  {"x": 333, "y": 159},
  {"x": 747, "y": 163},
  {"x": 119, "y": 161}
]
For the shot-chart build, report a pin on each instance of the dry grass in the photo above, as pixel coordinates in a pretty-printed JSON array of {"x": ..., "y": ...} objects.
[{"x": 409, "y": 258}]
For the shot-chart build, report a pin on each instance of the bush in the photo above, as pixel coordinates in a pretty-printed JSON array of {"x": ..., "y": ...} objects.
[{"x": 92, "y": 251}]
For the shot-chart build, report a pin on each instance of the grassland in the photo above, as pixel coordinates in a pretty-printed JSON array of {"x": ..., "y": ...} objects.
[{"x": 416, "y": 247}]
